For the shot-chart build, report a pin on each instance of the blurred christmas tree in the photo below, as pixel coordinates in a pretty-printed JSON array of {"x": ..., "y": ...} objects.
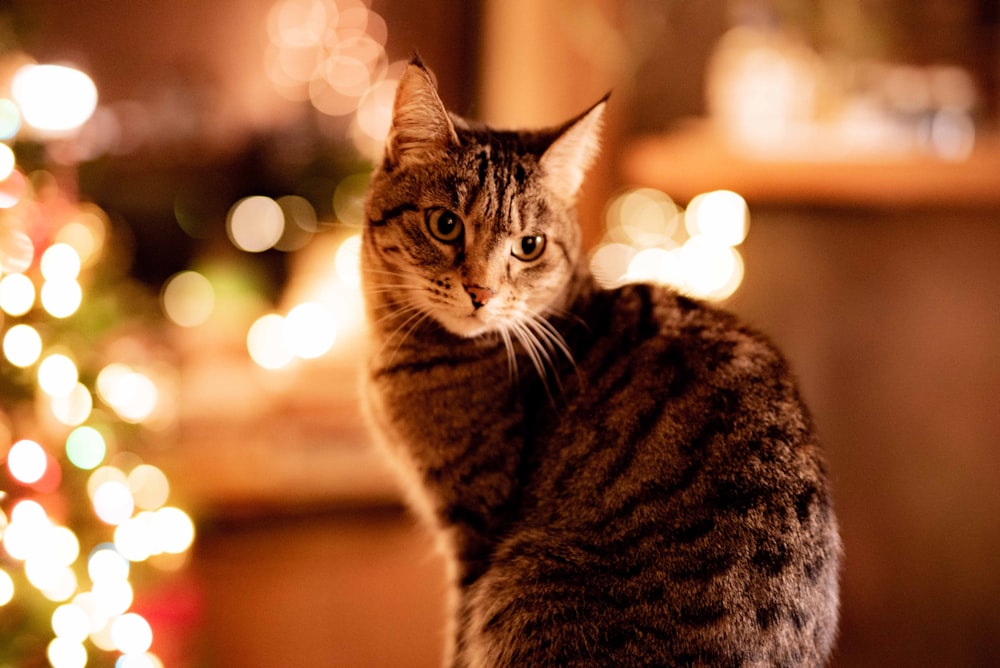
[{"x": 85, "y": 523}]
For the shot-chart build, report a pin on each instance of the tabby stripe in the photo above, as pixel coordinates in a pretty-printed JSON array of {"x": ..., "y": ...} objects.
[
  {"x": 450, "y": 360},
  {"x": 395, "y": 212}
]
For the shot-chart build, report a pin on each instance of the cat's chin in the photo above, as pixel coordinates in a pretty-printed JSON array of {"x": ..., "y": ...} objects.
[{"x": 466, "y": 327}]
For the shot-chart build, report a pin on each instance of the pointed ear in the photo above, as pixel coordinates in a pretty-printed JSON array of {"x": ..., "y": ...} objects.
[
  {"x": 420, "y": 123},
  {"x": 567, "y": 159}
]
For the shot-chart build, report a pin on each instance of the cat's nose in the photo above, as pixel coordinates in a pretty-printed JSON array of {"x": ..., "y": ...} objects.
[{"x": 479, "y": 294}]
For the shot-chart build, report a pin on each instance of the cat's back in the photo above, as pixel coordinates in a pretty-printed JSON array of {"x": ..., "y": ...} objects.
[{"x": 678, "y": 513}]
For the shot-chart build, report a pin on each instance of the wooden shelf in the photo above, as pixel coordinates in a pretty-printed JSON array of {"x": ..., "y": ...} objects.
[{"x": 696, "y": 159}]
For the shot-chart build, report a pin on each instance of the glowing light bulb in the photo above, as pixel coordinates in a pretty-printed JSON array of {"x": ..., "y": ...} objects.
[
  {"x": 57, "y": 375},
  {"x": 60, "y": 262},
  {"x": 6, "y": 588},
  {"x": 85, "y": 448},
  {"x": 255, "y": 224},
  {"x": 61, "y": 298},
  {"x": 149, "y": 486},
  {"x": 174, "y": 529},
  {"x": 113, "y": 502},
  {"x": 64, "y": 653},
  {"x": 188, "y": 298},
  {"x": 112, "y": 597},
  {"x": 71, "y": 622},
  {"x": 266, "y": 342},
  {"x": 309, "y": 330},
  {"x": 131, "y": 634},
  {"x": 17, "y": 294},
  {"x": 721, "y": 215},
  {"x": 131, "y": 394},
  {"x": 22, "y": 346},
  {"x": 10, "y": 119},
  {"x": 74, "y": 408},
  {"x": 7, "y": 161},
  {"x": 27, "y": 461},
  {"x": 107, "y": 563},
  {"x": 347, "y": 261},
  {"x": 53, "y": 98}
]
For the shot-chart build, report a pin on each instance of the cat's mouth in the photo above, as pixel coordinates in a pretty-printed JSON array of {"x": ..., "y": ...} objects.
[{"x": 471, "y": 323}]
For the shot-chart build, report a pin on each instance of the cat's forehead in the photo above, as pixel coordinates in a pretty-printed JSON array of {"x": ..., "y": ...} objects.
[{"x": 498, "y": 145}]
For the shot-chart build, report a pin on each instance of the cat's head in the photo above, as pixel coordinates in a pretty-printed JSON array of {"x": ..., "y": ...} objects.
[{"x": 472, "y": 226}]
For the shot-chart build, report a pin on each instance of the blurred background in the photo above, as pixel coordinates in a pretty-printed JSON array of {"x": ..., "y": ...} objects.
[{"x": 186, "y": 481}]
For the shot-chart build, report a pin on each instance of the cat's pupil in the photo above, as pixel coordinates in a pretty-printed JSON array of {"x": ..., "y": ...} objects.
[
  {"x": 444, "y": 225},
  {"x": 447, "y": 224},
  {"x": 529, "y": 248}
]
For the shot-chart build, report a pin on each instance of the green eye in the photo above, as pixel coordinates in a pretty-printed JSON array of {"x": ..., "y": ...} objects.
[
  {"x": 444, "y": 225},
  {"x": 530, "y": 248}
]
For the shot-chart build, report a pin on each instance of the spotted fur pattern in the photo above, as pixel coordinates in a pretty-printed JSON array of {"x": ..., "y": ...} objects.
[{"x": 618, "y": 478}]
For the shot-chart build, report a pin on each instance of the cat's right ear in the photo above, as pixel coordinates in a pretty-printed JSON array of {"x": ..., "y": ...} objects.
[{"x": 420, "y": 126}]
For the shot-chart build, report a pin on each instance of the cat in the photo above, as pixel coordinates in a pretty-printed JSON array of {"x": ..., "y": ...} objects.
[{"x": 620, "y": 477}]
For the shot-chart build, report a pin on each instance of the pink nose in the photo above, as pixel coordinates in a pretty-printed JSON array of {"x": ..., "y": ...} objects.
[{"x": 479, "y": 294}]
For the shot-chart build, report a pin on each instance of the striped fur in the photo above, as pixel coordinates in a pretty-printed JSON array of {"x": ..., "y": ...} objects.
[{"x": 618, "y": 478}]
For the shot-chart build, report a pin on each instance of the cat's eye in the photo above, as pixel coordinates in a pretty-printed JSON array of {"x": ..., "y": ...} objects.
[
  {"x": 444, "y": 225},
  {"x": 528, "y": 248}
]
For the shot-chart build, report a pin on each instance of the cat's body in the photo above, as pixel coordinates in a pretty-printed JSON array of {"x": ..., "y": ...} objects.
[{"x": 619, "y": 478}]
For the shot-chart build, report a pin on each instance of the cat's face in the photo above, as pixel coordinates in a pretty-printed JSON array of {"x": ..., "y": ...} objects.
[{"x": 472, "y": 227}]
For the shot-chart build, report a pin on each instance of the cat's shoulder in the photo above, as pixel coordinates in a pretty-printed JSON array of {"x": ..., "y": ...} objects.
[{"x": 704, "y": 331}]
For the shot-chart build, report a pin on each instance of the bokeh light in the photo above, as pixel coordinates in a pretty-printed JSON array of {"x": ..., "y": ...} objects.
[
  {"x": 86, "y": 448},
  {"x": 347, "y": 261},
  {"x": 645, "y": 242},
  {"x": 26, "y": 461},
  {"x": 643, "y": 217},
  {"x": 16, "y": 248},
  {"x": 255, "y": 223},
  {"x": 74, "y": 408},
  {"x": 57, "y": 375},
  {"x": 131, "y": 394},
  {"x": 22, "y": 345},
  {"x": 266, "y": 342},
  {"x": 309, "y": 330},
  {"x": 300, "y": 223},
  {"x": 188, "y": 298},
  {"x": 113, "y": 502},
  {"x": 721, "y": 216},
  {"x": 10, "y": 119},
  {"x": 86, "y": 233},
  {"x": 7, "y": 160},
  {"x": 112, "y": 597},
  {"x": 71, "y": 622},
  {"x": 131, "y": 634},
  {"x": 6, "y": 588},
  {"x": 60, "y": 262},
  {"x": 17, "y": 294},
  {"x": 54, "y": 98},
  {"x": 12, "y": 191},
  {"x": 349, "y": 199},
  {"x": 61, "y": 298},
  {"x": 107, "y": 563},
  {"x": 64, "y": 653},
  {"x": 149, "y": 486}
]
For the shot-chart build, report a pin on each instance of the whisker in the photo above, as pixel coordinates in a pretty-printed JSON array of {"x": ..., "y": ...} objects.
[{"x": 511, "y": 354}]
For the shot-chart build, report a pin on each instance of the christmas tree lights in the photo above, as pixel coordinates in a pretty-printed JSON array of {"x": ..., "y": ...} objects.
[{"x": 84, "y": 521}]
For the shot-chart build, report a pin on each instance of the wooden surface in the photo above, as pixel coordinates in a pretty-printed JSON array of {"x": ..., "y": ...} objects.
[{"x": 695, "y": 159}]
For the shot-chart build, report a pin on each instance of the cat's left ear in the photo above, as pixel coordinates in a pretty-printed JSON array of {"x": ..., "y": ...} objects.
[{"x": 567, "y": 159}]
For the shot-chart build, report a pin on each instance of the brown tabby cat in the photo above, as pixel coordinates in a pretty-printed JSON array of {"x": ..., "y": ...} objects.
[{"x": 619, "y": 478}]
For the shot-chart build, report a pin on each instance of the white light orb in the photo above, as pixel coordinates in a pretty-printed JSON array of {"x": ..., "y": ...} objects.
[
  {"x": 27, "y": 461},
  {"x": 17, "y": 294},
  {"x": 22, "y": 345},
  {"x": 54, "y": 99}
]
